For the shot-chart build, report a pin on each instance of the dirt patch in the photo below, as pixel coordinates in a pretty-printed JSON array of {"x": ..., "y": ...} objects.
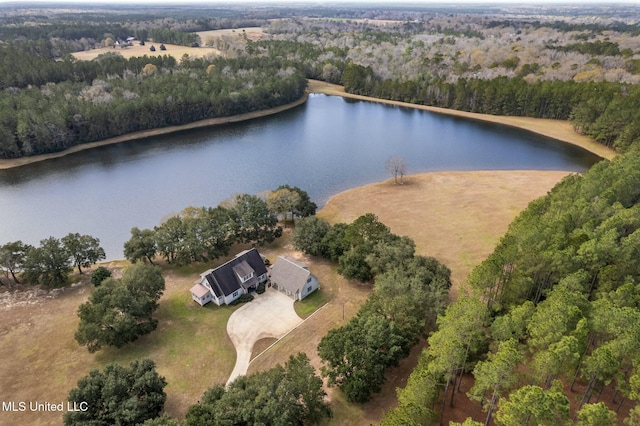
[{"x": 261, "y": 345}]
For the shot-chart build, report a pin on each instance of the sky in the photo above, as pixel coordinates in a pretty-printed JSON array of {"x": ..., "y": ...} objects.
[{"x": 333, "y": 2}]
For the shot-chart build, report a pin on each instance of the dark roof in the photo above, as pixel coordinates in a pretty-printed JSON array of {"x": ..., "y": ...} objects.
[{"x": 224, "y": 279}]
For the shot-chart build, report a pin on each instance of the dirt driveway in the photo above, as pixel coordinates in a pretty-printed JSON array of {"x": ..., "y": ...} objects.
[{"x": 270, "y": 314}]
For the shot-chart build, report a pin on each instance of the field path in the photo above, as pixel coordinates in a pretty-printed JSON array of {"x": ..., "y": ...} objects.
[{"x": 269, "y": 315}]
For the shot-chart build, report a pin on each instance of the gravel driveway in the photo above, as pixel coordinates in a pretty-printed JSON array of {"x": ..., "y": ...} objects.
[{"x": 270, "y": 314}]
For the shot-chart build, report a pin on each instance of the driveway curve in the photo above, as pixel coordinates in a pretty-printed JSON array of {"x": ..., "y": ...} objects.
[{"x": 270, "y": 314}]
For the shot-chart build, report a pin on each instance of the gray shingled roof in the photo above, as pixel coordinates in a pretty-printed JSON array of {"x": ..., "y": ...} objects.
[{"x": 289, "y": 275}]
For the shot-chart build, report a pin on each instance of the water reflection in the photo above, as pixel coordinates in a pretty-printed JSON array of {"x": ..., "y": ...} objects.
[{"x": 325, "y": 146}]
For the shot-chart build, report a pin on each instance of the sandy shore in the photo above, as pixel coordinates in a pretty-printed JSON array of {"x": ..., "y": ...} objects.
[{"x": 557, "y": 129}]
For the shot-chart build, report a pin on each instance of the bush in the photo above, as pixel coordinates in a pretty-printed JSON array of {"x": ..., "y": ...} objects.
[
  {"x": 100, "y": 275},
  {"x": 242, "y": 299},
  {"x": 261, "y": 288}
]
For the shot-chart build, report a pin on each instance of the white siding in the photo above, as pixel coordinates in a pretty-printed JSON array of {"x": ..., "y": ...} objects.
[{"x": 309, "y": 287}]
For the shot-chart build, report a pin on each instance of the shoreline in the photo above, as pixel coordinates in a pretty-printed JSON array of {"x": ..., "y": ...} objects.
[
  {"x": 560, "y": 130},
  {"x": 143, "y": 134}
]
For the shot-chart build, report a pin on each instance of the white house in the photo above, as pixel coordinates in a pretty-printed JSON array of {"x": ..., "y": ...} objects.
[
  {"x": 293, "y": 278},
  {"x": 229, "y": 281}
]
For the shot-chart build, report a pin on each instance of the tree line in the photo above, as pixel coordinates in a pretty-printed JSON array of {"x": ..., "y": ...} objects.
[
  {"x": 21, "y": 69},
  {"x": 607, "y": 112},
  {"x": 409, "y": 291},
  {"x": 53, "y": 117},
  {"x": 200, "y": 234},
  {"x": 557, "y": 301},
  {"x": 50, "y": 263}
]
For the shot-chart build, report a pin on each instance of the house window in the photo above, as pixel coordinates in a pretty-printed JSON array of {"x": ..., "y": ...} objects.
[
  {"x": 246, "y": 277},
  {"x": 309, "y": 289},
  {"x": 309, "y": 279},
  {"x": 235, "y": 294}
]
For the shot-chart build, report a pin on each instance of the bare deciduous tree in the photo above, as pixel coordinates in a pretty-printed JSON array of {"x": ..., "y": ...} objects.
[{"x": 396, "y": 167}]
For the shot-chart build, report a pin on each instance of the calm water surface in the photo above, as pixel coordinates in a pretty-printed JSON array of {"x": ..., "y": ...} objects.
[{"x": 325, "y": 146}]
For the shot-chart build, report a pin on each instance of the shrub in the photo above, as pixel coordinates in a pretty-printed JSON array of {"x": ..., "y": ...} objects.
[
  {"x": 261, "y": 288},
  {"x": 242, "y": 299},
  {"x": 100, "y": 275}
]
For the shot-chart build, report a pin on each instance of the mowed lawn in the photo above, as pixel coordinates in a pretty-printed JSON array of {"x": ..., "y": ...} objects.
[
  {"x": 456, "y": 217},
  {"x": 42, "y": 361}
]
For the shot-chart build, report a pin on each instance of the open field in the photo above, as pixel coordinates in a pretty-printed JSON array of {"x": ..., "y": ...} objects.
[
  {"x": 456, "y": 217},
  {"x": 177, "y": 51},
  {"x": 252, "y": 33},
  {"x": 174, "y": 50}
]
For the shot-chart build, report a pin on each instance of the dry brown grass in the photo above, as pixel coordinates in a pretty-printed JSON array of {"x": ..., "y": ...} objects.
[
  {"x": 456, "y": 217},
  {"x": 252, "y": 33},
  {"x": 174, "y": 50}
]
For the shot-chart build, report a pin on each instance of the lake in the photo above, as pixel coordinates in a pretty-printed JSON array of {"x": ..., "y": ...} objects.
[{"x": 325, "y": 146}]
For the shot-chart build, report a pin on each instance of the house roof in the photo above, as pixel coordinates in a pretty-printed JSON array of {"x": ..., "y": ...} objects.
[
  {"x": 224, "y": 280},
  {"x": 242, "y": 269},
  {"x": 289, "y": 274},
  {"x": 199, "y": 290}
]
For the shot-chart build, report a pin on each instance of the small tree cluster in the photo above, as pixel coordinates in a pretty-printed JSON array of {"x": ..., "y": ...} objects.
[
  {"x": 51, "y": 262},
  {"x": 287, "y": 200},
  {"x": 362, "y": 249},
  {"x": 289, "y": 395},
  {"x": 199, "y": 234},
  {"x": 118, "y": 395},
  {"x": 409, "y": 292},
  {"x": 120, "y": 311}
]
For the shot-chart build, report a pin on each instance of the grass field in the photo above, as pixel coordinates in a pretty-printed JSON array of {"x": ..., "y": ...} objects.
[{"x": 136, "y": 50}]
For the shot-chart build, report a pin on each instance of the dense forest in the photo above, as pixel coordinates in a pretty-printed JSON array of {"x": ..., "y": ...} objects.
[
  {"x": 112, "y": 96},
  {"x": 556, "y": 301}
]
